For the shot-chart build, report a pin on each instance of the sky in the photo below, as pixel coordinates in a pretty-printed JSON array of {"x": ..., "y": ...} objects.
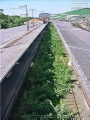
[{"x": 11, "y": 7}]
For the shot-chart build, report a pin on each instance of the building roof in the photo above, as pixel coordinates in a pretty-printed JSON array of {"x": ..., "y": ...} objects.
[
  {"x": 45, "y": 18},
  {"x": 35, "y": 20}
]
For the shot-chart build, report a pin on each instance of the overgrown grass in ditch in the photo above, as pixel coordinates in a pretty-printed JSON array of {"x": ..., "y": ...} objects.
[{"x": 47, "y": 83}]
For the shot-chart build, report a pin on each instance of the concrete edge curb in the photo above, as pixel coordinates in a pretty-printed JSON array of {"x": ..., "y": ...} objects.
[{"x": 82, "y": 78}]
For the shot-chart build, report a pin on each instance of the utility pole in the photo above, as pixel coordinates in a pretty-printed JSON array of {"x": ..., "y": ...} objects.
[
  {"x": 25, "y": 6},
  {"x": 32, "y": 15}
]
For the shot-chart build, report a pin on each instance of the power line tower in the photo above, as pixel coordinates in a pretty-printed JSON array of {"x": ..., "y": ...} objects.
[
  {"x": 32, "y": 14},
  {"x": 25, "y": 6}
]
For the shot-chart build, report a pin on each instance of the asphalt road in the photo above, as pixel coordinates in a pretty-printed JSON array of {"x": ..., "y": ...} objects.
[
  {"x": 78, "y": 41},
  {"x": 10, "y": 83}
]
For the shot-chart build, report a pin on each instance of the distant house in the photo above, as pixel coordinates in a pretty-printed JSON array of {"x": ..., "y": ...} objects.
[
  {"x": 71, "y": 16},
  {"x": 23, "y": 15},
  {"x": 36, "y": 21}
]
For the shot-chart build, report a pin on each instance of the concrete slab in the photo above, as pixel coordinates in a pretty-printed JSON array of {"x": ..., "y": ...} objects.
[{"x": 10, "y": 55}]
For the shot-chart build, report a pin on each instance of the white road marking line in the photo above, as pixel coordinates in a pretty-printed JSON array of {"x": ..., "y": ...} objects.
[
  {"x": 78, "y": 37},
  {"x": 79, "y": 48}
]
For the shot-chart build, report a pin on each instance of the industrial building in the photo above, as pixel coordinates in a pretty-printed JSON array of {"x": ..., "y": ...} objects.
[{"x": 44, "y": 16}]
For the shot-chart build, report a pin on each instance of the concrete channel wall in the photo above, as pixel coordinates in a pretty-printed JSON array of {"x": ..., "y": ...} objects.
[{"x": 37, "y": 41}]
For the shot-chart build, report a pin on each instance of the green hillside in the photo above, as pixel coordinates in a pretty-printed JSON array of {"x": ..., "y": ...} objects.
[{"x": 84, "y": 11}]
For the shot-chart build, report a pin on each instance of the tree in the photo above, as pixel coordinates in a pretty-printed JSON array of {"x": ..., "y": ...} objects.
[
  {"x": 3, "y": 23},
  {"x": 7, "y": 21}
]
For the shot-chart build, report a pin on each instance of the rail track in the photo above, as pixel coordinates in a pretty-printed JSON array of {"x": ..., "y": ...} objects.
[{"x": 72, "y": 105}]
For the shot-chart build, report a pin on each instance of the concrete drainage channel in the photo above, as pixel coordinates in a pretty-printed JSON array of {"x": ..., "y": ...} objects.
[{"x": 18, "y": 73}]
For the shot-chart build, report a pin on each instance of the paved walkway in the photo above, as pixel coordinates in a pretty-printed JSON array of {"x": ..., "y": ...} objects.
[
  {"x": 7, "y": 34},
  {"x": 11, "y": 54},
  {"x": 77, "y": 43}
]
